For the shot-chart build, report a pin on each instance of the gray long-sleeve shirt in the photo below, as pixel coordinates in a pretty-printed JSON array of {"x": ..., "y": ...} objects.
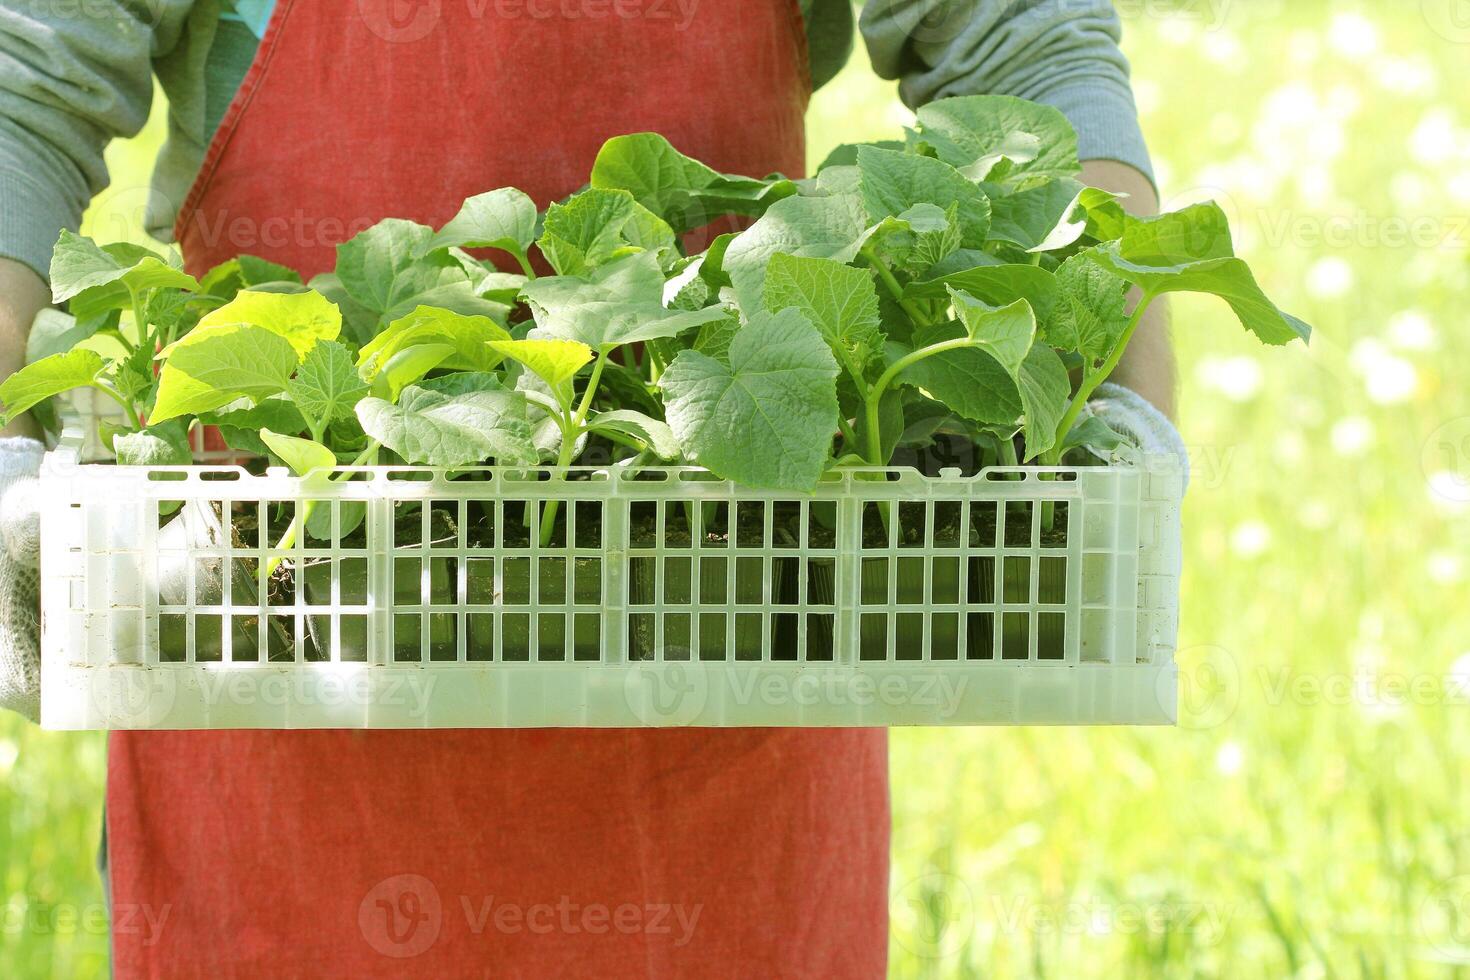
[{"x": 74, "y": 76}]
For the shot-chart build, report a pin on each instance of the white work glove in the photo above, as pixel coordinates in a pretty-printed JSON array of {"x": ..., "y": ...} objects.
[
  {"x": 1131, "y": 416},
  {"x": 20, "y": 583}
]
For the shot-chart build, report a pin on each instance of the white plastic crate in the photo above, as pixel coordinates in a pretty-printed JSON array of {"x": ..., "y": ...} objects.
[{"x": 666, "y": 597}]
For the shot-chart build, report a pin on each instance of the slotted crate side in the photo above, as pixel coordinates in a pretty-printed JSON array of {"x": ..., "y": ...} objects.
[{"x": 118, "y": 606}]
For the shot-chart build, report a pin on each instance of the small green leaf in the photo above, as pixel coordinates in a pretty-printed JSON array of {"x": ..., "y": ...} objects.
[
  {"x": 998, "y": 285},
  {"x": 79, "y": 265},
  {"x": 586, "y": 230},
  {"x": 327, "y": 385},
  {"x": 892, "y": 183},
  {"x": 1094, "y": 434},
  {"x": 55, "y": 332},
  {"x": 647, "y": 433},
  {"x": 466, "y": 335},
  {"x": 303, "y": 456},
  {"x": 437, "y": 429},
  {"x": 241, "y": 427},
  {"x": 805, "y": 227},
  {"x": 49, "y": 376},
  {"x": 243, "y": 272},
  {"x": 158, "y": 445},
  {"x": 1006, "y": 333},
  {"x": 767, "y": 418},
  {"x": 227, "y": 362},
  {"x": 302, "y": 318},
  {"x": 1092, "y": 314},
  {"x": 504, "y": 219},
  {"x": 716, "y": 337},
  {"x": 839, "y": 300},
  {"x": 407, "y": 366},
  {"x": 1045, "y": 390},
  {"x": 554, "y": 361}
]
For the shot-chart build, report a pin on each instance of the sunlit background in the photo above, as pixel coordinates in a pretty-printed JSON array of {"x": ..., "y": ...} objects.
[{"x": 1309, "y": 819}]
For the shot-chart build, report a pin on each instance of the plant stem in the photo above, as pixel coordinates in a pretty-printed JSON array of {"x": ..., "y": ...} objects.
[
  {"x": 1092, "y": 379},
  {"x": 571, "y": 427},
  {"x": 140, "y": 323},
  {"x": 846, "y": 429},
  {"x": 129, "y": 409},
  {"x": 525, "y": 264},
  {"x": 587, "y": 395},
  {"x": 895, "y": 288},
  {"x": 304, "y": 514}
]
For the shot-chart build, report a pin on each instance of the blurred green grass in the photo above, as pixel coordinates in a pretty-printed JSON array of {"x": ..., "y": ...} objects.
[{"x": 1309, "y": 818}]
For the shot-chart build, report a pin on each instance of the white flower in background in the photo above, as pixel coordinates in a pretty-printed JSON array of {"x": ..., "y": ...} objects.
[
  {"x": 1404, "y": 76},
  {"x": 1237, "y": 378},
  {"x": 1316, "y": 515},
  {"x": 1410, "y": 190},
  {"x": 1447, "y": 492},
  {"x": 1445, "y": 567},
  {"x": 1412, "y": 330},
  {"x": 1225, "y": 49},
  {"x": 1250, "y": 539},
  {"x": 1352, "y": 35},
  {"x": 1388, "y": 378},
  {"x": 1230, "y": 759},
  {"x": 1436, "y": 140},
  {"x": 1352, "y": 436},
  {"x": 1329, "y": 278}
]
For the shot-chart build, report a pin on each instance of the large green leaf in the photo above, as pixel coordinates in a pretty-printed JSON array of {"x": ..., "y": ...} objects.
[
  {"x": 805, "y": 227},
  {"x": 390, "y": 270},
  {"x": 49, "y": 376},
  {"x": 227, "y": 362},
  {"x": 302, "y": 318},
  {"x": 892, "y": 183},
  {"x": 407, "y": 366},
  {"x": 970, "y": 381},
  {"x": 766, "y": 419},
  {"x": 839, "y": 300},
  {"x": 467, "y": 335},
  {"x": 620, "y": 303},
  {"x": 1045, "y": 393},
  {"x": 965, "y": 129},
  {"x": 504, "y": 219},
  {"x": 55, "y": 332},
  {"x": 1190, "y": 251},
  {"x": 243, "y": 272},
  {"x": 1043, "y": 218},
  {"x": 78, "y": 264},
  {"x": 658, "y": 176},
  {"x": 327, "y": 385},
  {"x": 439, "y": 429}
]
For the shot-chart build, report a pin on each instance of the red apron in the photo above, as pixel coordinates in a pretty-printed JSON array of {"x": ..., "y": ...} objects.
[{"x": 677, "y": 853}]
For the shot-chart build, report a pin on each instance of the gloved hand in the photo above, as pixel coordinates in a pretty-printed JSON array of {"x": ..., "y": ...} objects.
[
  {"x": 1131, "y": 416},
  {"x": 20, "y": 592}
]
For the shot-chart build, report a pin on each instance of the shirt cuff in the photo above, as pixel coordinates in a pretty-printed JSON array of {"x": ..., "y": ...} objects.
[
  {"x": 31, "y": 218},
  {"x": 1107, "y": 126}
]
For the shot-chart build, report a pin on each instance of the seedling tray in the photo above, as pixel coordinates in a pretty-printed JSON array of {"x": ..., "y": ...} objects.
[{"x": 420, "y": 598}]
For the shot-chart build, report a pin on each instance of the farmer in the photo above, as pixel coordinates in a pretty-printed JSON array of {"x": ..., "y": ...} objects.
[{"x": 506, "y": 853}]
